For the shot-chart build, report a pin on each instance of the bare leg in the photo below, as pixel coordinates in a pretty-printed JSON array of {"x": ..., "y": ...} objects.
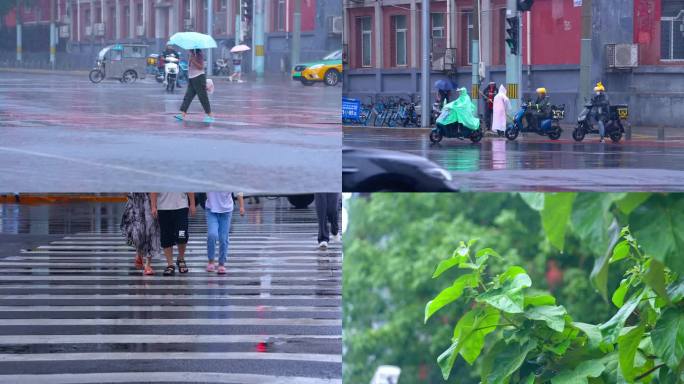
[
  {"x": 168, "y": 253},
  {"x": 181, "y": 252}
]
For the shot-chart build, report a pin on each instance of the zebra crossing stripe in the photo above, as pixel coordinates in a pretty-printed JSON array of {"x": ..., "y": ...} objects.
[
  {"x": 162, "y": 377},
  {"x": 152, "y": 339},
  {"x": 323, "y": 358}
]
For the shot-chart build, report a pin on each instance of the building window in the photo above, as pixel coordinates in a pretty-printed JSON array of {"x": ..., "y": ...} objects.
[
  {"x": 87, "y": 17},
  {"x": 98, "y": 15},
  {"x": 399, "y": 43},
  {"x": 186, "y": 15},
  {"x": 437, "y": 24},
  {"x": 224, "y": 5},
  {"x": 468, "y": 34},
  {"x": 672, "y": 30},
  {"x": 139, "y": 14},
  {"x": 280, "y": 17},
  {"x": 366, "y": 40}
]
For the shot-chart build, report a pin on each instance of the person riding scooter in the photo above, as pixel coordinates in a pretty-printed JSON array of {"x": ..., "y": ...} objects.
[
  {"x": 169, "y": 51},
  {"x": 601, "y": 107},
  {"x": 539, "y": 110},
  {"x": 458, "y": 119}
]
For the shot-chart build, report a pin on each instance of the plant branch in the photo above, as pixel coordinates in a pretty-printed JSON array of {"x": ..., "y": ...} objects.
[{"x": 645, "y": 374}]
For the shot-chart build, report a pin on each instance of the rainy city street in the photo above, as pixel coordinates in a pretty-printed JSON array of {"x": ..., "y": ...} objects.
[
  {"x": 535, "y": 162},
  {"x": 60, "y": 132},
  {"x": 74, "y": 309}
]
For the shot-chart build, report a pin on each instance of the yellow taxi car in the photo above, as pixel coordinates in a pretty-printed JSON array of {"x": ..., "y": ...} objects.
[{"x": 328, "y": 70}]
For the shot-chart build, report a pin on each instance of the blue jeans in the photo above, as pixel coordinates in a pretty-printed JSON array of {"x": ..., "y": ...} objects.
[{"x": 218, "y": 226}]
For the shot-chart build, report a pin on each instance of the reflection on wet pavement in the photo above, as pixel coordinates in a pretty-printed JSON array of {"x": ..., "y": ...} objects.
[
  {"x": 61, "y": 132},
  {"x": 534, "y": 162},
  {"x": 75, "y": 306}
]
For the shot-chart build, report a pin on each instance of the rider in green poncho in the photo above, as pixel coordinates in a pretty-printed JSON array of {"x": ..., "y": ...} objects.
[{"x": 462, "y": 110}]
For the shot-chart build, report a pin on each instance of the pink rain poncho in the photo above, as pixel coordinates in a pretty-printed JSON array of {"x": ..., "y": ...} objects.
[{"x": 501, "y": 107}]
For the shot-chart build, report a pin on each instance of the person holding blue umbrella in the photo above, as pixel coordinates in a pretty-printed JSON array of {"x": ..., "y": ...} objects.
[{"x": 197, "y": 78}]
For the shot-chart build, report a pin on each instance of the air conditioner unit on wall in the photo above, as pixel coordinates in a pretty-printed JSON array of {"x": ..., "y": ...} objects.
[
  {"x": 99, "y": 29},
  {"x": 335, "y": 25},
  {"x": 188, "y": 24},
  {"x": 622, "y": 56},
  {"x": 64, "y": 31}
]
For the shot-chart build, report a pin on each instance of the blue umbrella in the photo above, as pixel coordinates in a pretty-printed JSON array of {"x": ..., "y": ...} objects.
[
  {"x": 192, "y": 40},
  {"x": 444, "y": 85}
]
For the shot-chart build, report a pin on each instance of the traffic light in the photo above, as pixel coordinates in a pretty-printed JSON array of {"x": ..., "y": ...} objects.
[
  {"x": 524, "y": 5},
  {"x": 512, "y": 33},
  {"x": 246, "y": 7}
]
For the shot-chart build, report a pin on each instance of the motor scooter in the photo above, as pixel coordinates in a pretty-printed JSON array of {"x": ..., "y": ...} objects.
[
  {"x": 547, "y": 126},
  {"x": 170, "y": 72}
]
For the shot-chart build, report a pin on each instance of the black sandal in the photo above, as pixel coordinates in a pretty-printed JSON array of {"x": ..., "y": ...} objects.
[
  {"x": 182, "y": 267},
  {"x": 170, "y": 270}
]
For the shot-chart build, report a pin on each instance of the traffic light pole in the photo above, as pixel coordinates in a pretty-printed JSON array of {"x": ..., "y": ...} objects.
[
  {"x": 513, "y": 67},
  {"x": 210, "y": 27},
  {"x": 426, "y": 100},
  {"x": 585, "y": 56},
  {"x": 296, "y": 33},
  {"x": 259, "y": 37},
  {"x": 475, "y": 54},
  {"x": 238, "y": 24}
]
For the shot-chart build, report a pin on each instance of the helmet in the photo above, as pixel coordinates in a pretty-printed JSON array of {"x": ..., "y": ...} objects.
[
  {"x": 599, "y": 87},
  {"x": 541, "y": 91}
]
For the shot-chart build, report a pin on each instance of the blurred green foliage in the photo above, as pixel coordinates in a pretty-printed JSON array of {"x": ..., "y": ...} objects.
[{"x": 395, "y": 240}]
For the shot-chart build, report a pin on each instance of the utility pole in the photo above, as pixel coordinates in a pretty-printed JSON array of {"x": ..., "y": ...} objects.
[
  {"x": 475, "y": 55},
  {"x": 53, "y": 37},
  {"x": 238, "y": 24},
  {"x": 513, "y": 66},
  {"x": 210, "y": 31},
  {"x": 296, "y": 32},
  {"x": 585, "y": 55},
  {"x": 425, "y": 99},
  {"x": 19, "y": 47},
  {"x": 259, "y": 37}
]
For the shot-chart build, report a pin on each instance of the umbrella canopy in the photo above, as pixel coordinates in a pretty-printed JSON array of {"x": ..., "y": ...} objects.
[
  {"x": 444, "y": 85},
  {"x": 239, "y": 48},
  {"x": 192, "y": 40}
]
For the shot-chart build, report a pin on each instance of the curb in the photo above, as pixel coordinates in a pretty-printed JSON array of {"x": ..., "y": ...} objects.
[{"x": 41, "y": 199}]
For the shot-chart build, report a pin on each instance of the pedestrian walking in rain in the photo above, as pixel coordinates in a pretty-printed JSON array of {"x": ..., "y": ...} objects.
[
  {"x": 500, "y": 107},
  {"x": 219, "y": 212},
  {"x": 237, "y": 68},
  {"x": 197, "y": 86},
  {"x": 141, "y": 230},
  {"x": 171, "y": 209},
  {"x": 489, "y": 95},
  {"x": 327, "y": 205}
]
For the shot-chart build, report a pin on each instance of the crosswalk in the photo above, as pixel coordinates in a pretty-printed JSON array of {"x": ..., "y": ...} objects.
[{"x": 76, "y": 311}]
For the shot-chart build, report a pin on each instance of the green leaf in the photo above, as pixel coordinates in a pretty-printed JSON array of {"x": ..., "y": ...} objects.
[
  {"x": 555, "y": 216},
  {"x": 487, "y": 252},
  {"x": 619, "y": 295},
  {"x": 593, "y": 333},
  {"x": 676, "y": 291},
  {"x": 447, "y": 264},
  {"x": 627, "y": 348},
  {"x": 620, "y": 251},
  {"x": 611, "y": 329},
  {"x": 472, "y": 333},
  {"x": 529, "y": 380},
  {"x": 447, "y": 359},
  {"x": 539, "y": 299},
  {"x": 509, "y": 297},
  {"x": 632, "y": 200},
  {"x": 591, "y": 216},
  {"x": 553, "y": 316},
  {"x": 579, "y": 375},
  {"x": 599, "y": 274},
  {"x": 509, "y": 360},
  {"x": 659, "y": 226},
  {"x": 511, "y": 273},
  {"x": 668, "y": 337},
  {"x": 450, "y": 294},
  {"x": 534, "y": 199},
  {"x": 655, "y": 278}
]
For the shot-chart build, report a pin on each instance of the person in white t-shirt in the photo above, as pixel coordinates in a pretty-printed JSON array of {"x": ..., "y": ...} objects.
[
  {"x": 219, "y": 212},
  {"x": 171, "y": 208}
]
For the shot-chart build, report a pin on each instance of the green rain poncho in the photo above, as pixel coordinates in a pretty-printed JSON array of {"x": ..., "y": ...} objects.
[{"x": 461, "y": 110}]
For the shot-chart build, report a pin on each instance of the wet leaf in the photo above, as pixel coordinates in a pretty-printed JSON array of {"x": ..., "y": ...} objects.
[
  {"x": 668, "y": 337},
  {"x": 450, "y": 294},
  {"x": 627, "y": 348},
  {"x": 553, "y": 316}
]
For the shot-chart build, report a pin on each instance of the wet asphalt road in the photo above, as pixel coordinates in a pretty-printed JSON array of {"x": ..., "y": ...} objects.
[
  {"x": 62, "y": 133},
  {"x": 75, "y": 310},
  {"x": 536, "y": 163}
]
